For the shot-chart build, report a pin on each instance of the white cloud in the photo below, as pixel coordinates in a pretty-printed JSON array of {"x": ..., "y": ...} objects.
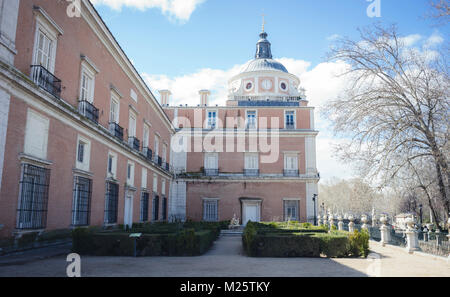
[
  {"x": 179, "y": 9},
  {"x": 433, "y": 40},
  {"x": 333, "y": 37}
]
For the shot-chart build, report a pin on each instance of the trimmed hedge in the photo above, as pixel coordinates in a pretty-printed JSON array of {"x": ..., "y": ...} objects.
[
  {"x": 269, "y": 240},
  {"x": 161, "y": 239}
]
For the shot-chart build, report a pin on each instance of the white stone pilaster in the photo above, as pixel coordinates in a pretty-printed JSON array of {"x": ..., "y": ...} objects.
[{"x": 9, "y": 11}]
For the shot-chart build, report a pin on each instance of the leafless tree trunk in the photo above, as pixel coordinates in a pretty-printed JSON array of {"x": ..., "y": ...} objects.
[{"x": 396, "y": 109}]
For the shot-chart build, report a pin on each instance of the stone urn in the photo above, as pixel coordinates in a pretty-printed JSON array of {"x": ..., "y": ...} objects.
[
  {"x": 384, "y": 230},
  {"x": 331, "y": 220},
  {"x": 410, "y": 223},
  {"x": 412, "y": 237},
  {"x": 364, "y": 220}
]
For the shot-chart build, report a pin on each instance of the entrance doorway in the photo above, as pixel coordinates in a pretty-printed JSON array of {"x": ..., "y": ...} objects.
[{"x": 251, "y": 210}]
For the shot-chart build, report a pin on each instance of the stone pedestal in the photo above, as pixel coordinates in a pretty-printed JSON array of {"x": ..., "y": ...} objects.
[
  {"x": 412, "y": 240},
  {"x": 325, "y": 220},
  {"x": 385, "y": 236},
  {"x": 351, "y": 225},
  {"x": 364, "y": 220},
  {"x": 331, "y": 220},
  {"x": 340, "y": 224}
]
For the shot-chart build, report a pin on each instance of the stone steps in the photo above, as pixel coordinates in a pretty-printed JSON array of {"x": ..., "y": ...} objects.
[{"x": 234, "y": 232}]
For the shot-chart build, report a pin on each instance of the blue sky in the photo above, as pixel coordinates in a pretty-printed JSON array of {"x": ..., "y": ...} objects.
[
  {"x": 189, "y": 45},
  {"x": 222, "y": 33}
]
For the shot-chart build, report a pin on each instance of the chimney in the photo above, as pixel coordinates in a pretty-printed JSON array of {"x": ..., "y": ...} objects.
[
  {"x": 165, "y": 96},
  {"x": 204, "y": 97}
]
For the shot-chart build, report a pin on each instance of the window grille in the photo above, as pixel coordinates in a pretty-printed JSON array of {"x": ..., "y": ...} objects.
[
  {"x": 112, "y": 201},
  {"x": 81, "y": 207},
  {"x": 34, "y": 184}
]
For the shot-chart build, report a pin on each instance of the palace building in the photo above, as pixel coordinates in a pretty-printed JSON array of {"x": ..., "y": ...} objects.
[{"x": 85, "y": 142}]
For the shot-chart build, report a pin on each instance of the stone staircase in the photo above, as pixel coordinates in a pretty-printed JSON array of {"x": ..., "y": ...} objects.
[{"x": 232, "y": 232}]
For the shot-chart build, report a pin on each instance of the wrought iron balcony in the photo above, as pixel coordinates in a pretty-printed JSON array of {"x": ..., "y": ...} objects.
[
  {"x": 159, "y": 161},
  {"x": 291, "y": 173},
  {"x": 134, "y": 143},
  {"x": 147, "y": 153},
  {"x": 44, "y": 79},
  {"x": 251, "y": 172},
  {"x": 116, "y": 130},
  {"x": 211, "y": 172},
  {"x": 290, "y": 126},
  {"x": 167, "y": 166},
  {"x": 88, "y": 110}
]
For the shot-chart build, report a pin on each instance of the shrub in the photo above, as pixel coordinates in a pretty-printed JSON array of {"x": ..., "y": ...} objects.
[
  {"x": 359, "y": 243},
  {"x": 333, "y": 245},
  {"x": 53, "y": 235}
]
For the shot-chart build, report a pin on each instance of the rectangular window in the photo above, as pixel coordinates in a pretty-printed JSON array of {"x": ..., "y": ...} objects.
[
  {"x": 83, "y": 154},
  {"x": 251, "y": 166},
  {"x": 114, "y": 112},
  {"x": 144, "y": 178},
  {"x": 144, "y": 206},
  {"x": 164, "y": 153},
  {"x": 87, "y": 87},
  {"x": 155, "y": 207},
  {"x": 291, "y": 210},
  {"x": 112, "y": 165},
  {"x": 44, "y": 50},
  {"x": 32, "y": 210},
  {"x": 291, "y": 162},
  {"x": 81, "y": 151},
  {"x": 132, "y": 125},
  {"x": 210, "y": 210},
  {"x": 133, "y": 95},
  {"x": 155, "y": 183},
  {"x": 163, "y": 187},
  {"x": 130, "y": 174},
  {"x": 145, "y": 136},
  {"x": 290, "y": 119},
  {"x": 156, "y": 147},
  {"x": 212, "y": 119},
  {"x": 81, "y": 207},
  {"x": 251, "y": 119},
  {"x": 111, "y": 203},
  {"x": 211, "y": 163},
  {"x": 36, "y": 135}
]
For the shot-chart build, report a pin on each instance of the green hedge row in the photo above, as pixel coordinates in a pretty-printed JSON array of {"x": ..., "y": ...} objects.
[
  {"x": 186, "y": 242},
  {"x": 158, "y": 239},
  {"x": 260, "y": 241}
]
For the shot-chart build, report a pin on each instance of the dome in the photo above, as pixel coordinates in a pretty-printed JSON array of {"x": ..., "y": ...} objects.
[{"x": 263, "y": 64}]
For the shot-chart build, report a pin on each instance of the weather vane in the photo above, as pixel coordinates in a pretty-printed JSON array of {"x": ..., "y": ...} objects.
[{"x": 263, "y": 21}]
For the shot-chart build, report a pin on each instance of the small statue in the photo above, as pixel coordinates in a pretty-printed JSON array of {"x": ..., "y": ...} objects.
[{"x": 234, "y": 223}]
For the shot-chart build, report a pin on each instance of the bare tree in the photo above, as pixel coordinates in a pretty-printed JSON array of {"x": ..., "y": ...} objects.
[{"x": 396, "y": 109}]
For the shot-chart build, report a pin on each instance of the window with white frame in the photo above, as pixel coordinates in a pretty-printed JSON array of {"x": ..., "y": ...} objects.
[
  {"x": 114, "y": 110},
  {"x": 132, "y": 124},
  {"x": 251, "y": 166},
  {"x": 211, "y": 163},
  {"x": 212, "y": 119},
  {"x": 144, "y": 178},
  {"x": 164, "y": 153},
  {"x": 291, "y": 161},
  {"x": 163, "y": 187},
  {"x": 83, "y": 153},
  {"x": 133, "y": 95},
  {"x": 112, "y": 165},
  {"x": 210, "y": 210},
  {"x": 155, "y": 183},
  {"x": 87, "y": 85},
  {"x": 156, "y": 147},
  {"x": 130, "y": 173},
  {"x": 145, "y": 136},
  {"x": 45, "y": 44},
  {"x": 291, "y": 210},
  {"x": 289, "y": 117},
  {"x": 36, "y": 135},
  {"x": 251, "y": 122}
]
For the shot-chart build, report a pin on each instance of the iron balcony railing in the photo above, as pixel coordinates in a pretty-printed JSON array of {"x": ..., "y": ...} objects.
[
  {"x": 116, "y": 130},
  {"x": 147, "y": 153},
  {"x": 44, "y": 79},
  {"x": 290, "y": 126},
  {"x": 159, "y": 161},
  {"x": 290, "y": 172},
  {"x": 211, "y": 172},
  {"x": 134, "y": 143},
  {"x": 88, "y": 110},
  {"x": 251, "y": 172},
  {"x": 167, "y": 166}
]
